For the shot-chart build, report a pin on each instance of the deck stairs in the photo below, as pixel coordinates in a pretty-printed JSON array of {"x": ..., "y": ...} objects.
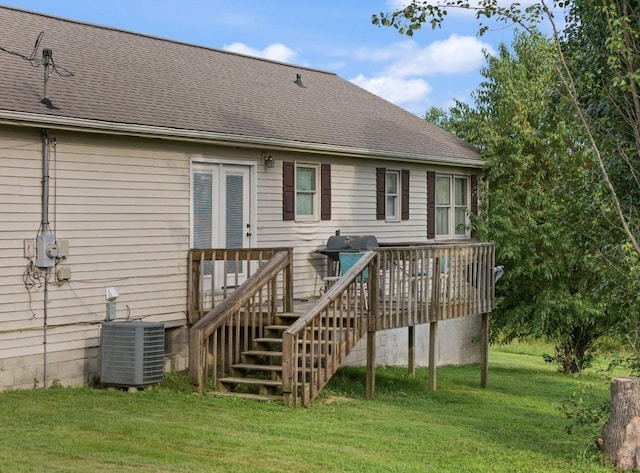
[{"x": 258, "y": 375}]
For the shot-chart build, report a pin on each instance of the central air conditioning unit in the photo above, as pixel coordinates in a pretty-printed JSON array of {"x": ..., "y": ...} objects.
[{"x": 132, "y": 353}]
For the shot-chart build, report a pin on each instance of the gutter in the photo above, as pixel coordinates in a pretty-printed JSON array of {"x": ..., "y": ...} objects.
[{"x": 35, "y": 120}]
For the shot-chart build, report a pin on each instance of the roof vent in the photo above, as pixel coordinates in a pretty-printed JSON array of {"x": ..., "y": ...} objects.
[{"x": 299, "y": 80}]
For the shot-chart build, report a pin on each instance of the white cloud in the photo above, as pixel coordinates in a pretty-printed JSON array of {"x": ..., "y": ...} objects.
[
  {"x": 455, "y": 55},
  {"x": 395, "y": 89},
  {"x": 274, "y": 52}
]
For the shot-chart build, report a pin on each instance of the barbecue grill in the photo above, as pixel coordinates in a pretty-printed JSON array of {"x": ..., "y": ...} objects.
[{"x": 337, "y": 244}]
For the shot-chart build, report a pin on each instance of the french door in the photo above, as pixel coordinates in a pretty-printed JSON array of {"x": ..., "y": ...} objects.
[{"x": 221, "y": 199}]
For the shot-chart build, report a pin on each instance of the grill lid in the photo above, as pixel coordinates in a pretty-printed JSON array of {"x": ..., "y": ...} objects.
[{"x": 346, "y": 243}]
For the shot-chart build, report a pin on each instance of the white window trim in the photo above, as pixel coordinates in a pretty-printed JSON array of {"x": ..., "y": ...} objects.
[
  {"x": 398, "y": 196},
  {"x": 452, "y": 235},
  {"x": 316, "y": 193}
]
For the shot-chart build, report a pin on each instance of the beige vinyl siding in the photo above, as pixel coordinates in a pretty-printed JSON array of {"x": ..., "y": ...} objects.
[
  {"x": 353, "y": 213},
  {"x": 123, "y": 205}
]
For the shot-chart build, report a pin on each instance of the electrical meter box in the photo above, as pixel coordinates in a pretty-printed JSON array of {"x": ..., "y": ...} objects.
[{"x": 46, "y": 251}]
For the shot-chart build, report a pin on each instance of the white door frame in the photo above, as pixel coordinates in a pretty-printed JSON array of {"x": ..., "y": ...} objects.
[{"x": 220, "y": 170}]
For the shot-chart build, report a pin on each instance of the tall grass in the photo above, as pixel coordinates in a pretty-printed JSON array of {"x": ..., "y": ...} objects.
[{"x": 513, "y": 425}]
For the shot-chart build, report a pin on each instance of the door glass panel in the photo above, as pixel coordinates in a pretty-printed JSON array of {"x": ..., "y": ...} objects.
[
  {"x": 202, "y": 211},
  {"x": 234, "y": 215},
  {"x": 202, "y": 222}
]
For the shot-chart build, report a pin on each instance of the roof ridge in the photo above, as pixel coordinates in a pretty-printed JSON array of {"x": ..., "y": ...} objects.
[{"x": 160, "y": 38}]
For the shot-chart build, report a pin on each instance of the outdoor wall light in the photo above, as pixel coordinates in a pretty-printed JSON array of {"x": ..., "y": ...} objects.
[{"x": 268, "y": 161}]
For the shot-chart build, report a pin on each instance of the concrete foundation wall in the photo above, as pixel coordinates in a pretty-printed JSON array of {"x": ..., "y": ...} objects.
[{"x": 458, "y": 343}]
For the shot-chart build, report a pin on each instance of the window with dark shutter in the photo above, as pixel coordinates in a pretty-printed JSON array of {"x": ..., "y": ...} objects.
[
  {"x": 288, "y": 191},
  {"x": 405, "y": 194},
  {"x": 381, "y": 181},
  {"x": 431, "y": 204},
  {"x": 325, "y": 192}
]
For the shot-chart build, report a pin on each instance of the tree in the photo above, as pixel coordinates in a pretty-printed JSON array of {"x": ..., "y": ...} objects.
[
  {"x": 541, "y": 212},
  {"x": 618, "y": 29},
  {"x": 597, "y": 71},
  {"x": 597, "y": 63}
]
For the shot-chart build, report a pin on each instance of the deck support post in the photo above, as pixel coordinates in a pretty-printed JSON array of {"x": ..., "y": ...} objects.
[
  {"x": 197, "y": 360},
  {"x": 433, "y": 335},
  {"x": 371, "y": 364},
  {"x": 288, "y": 283},
  {"x": 373, "y": 305},
  {"x": 411, "y": 356},
  {"x": 484, "y": 355}
]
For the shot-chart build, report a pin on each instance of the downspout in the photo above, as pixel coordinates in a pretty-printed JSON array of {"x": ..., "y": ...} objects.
[
  {"x": 44, "y": 226},
  {"x": 47, "y": 59},
  {"x": 44, "y": 229}
]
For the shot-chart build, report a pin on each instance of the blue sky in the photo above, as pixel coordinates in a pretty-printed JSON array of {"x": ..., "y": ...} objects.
[{"x": 430, "y": 69}]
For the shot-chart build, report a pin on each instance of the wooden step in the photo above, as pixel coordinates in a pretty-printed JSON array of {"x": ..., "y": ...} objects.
[
  {"x": 256, "y": 397},
  {"x": 265, "y": 353},
  {"x": 254, "y": 367},
  {"x": 251, "y": 381},
  {"x": 276, "y": 328},
  {"x": 288, "y": 317},
  {"x": 268, "y": 340}
]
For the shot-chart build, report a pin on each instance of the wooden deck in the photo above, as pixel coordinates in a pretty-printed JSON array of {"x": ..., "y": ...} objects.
[{"x": 259, "y": 331}]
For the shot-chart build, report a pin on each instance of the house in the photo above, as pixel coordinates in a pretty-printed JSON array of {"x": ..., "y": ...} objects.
[{"x": 119, "y": 152}]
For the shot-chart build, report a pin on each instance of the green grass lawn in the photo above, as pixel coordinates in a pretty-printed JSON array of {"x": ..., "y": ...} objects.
[{"x": 514, "y": 425}]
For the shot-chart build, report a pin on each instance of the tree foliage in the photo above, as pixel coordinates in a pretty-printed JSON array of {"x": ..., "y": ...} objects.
[
  {"x": 608, "y": 29},
  {"x": 582, "y": 173},
  {"x": 545, "y": 208},
  {"x": 410, "y": 18}
]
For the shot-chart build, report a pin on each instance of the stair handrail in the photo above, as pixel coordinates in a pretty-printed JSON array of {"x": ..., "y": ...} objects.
[
  {"x": 224, "y": 312},
  {"x": 302, "y": 347}
]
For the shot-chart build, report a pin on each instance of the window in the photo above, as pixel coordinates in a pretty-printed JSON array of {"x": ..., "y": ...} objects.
[
  {"x": 306, "y": 191},
  {"x": 451, "y": 205},
  {"x": 461, "y": 204},
  {"x": 392, "y": 194},
  {"x": 443, "y": 204},
  {"x": 392, "y": 197}
]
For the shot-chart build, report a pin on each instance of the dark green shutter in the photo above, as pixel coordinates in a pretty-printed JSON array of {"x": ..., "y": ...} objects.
[
  {"x": 288, "y": 191},
  {"x": 325, "y": 192},
  {"x": 431, "y": 204},
  {"x": 405, "y": 194},
  {"x": 381, "y": 181}
]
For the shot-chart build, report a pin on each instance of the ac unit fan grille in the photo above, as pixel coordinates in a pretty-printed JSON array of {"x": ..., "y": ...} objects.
[{"x": 132, "y": 353}]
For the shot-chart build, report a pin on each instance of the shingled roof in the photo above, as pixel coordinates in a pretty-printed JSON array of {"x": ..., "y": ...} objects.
[{"x": 133, "y": 81}]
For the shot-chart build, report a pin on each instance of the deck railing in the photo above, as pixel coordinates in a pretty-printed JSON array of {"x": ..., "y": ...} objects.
[
  {"x": 318, "y": 343},
  {"x": 389, "y": 287},
  {"x": 422, "y": 284},
  {"x": 234, "y": 316},
  {"x": 216, "y": 273}
]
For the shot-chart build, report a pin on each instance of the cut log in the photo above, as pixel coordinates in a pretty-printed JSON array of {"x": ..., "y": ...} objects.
[{"x": 620, "y": 439}]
